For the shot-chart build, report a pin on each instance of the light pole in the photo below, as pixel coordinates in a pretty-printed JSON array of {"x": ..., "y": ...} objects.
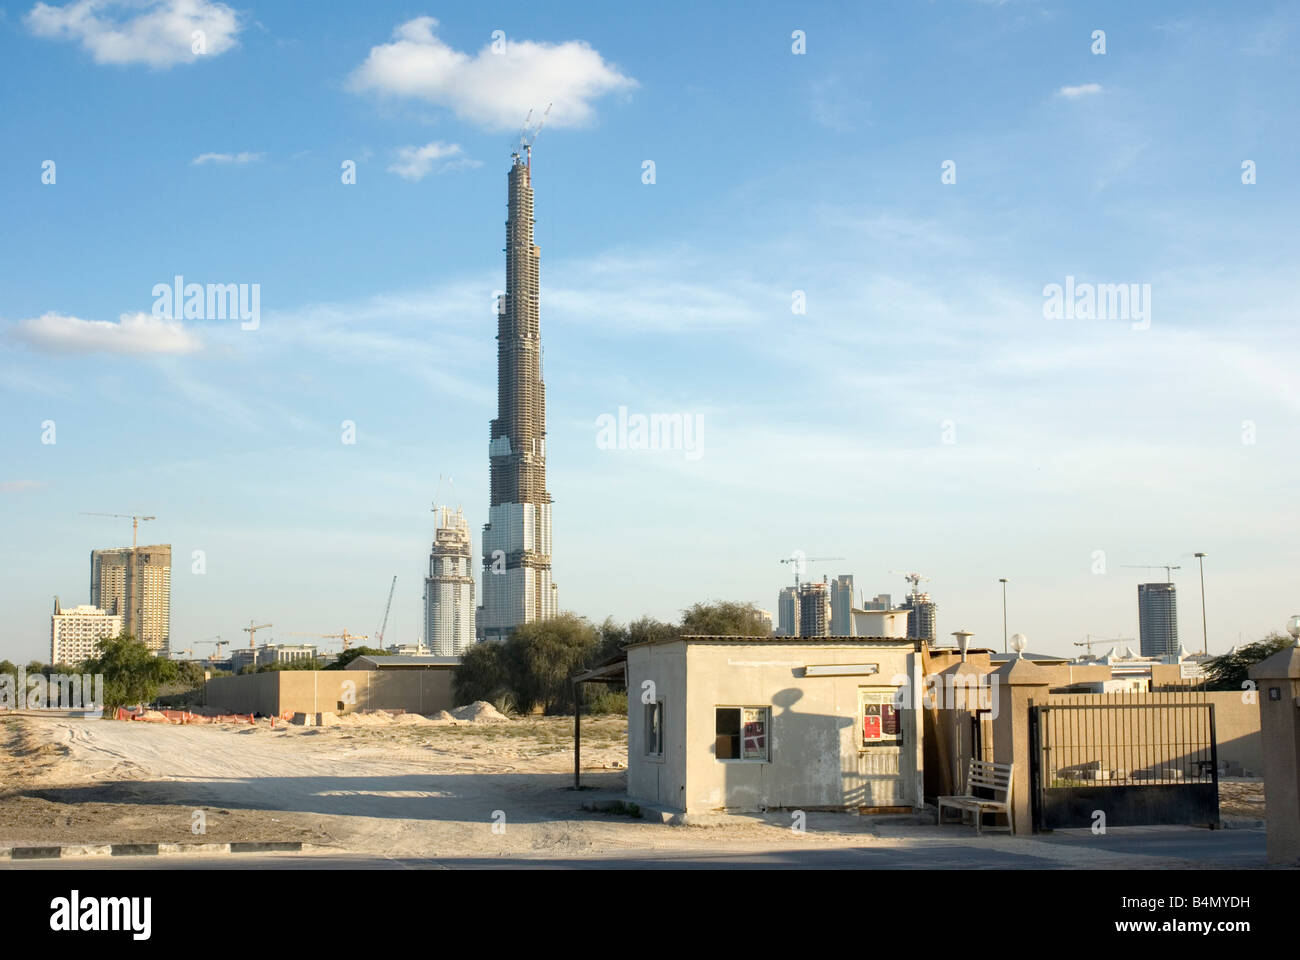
[
  {"x": 1205, "y": 643},
  {"x": 1003, "y": 581}
]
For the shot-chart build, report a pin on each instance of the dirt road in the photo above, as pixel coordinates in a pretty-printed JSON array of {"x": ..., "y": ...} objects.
[{"x": 474, "y": 792}]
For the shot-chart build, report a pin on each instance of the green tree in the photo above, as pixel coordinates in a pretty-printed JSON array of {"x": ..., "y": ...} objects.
[
  {"x": 1230, "y": 671},
  {"x": 132, "y": 674},
  {"x": 8, "y": 668},
  {"x": 724, "y": 619},
  {"x": 300, "y": 664},
  {"x": 484, "y": 674},
  {"x": 347, "y": 656},
  {"x": 543, "y": 655}
]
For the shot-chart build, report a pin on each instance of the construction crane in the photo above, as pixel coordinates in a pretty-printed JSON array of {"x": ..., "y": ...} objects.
[
  {"x": 252, "y": 629},
  {"x": 914, "y": 579},
  {"x": 388, "y": 606},
  {"x": 801, "y": 560},
  {"x": 1166, "y": 567},
  {"x": 344, "y": 636},
  {"x": 135, "y": 519},
  {"x": 1091, "y": 639},
  {"x": 527, "y": 138},
  {"x": 213, "y": 641}
]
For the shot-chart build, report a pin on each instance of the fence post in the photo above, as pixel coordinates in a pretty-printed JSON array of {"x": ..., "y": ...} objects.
[
  {"x": 1017, "y": 682},
  {"x": 1278, "y": 683}
]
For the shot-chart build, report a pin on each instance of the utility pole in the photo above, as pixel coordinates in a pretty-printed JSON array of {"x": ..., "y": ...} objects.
[
  {"x": 1003, "y": 581},
  {"x": 1205, "y": 641}
]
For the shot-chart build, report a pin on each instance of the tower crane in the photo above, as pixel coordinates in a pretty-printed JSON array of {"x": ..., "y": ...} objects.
[
  {"x": 1090, "y": 639},
  {"x": 1166, "y": 567},
  {"x": 344, "y": 636},
  {"x": 796, "y": 560},
  {"x": 914, "y": 579},
  {"x": 215, "y": 641},
  {"x": 388, "y": 606},
  {"x": 252, "y": 629},
  {"x": 135, "y": 519}
]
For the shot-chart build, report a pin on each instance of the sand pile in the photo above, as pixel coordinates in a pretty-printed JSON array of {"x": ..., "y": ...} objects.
[
  {"x": 480, "y": 711},
  {"x": 411, "y": 720}
]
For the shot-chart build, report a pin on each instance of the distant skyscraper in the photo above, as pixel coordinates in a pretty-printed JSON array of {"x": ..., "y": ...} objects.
[
  {"x": 881, "y": 601},
  {"x": 814, "y": 610},
  {"x": 1158, "y": 619},
  {"x": 137, "y": 585},
  {"x": 787, "y": 613},
  {"x": 766, "y": 617},
  {"x": 920, "y": 622},
  {"x": 842, "y": 605},
  {"x": 449, "y": 587},
  {"x": 517, "y": 585},
  {"x": 75, "y": 633}
]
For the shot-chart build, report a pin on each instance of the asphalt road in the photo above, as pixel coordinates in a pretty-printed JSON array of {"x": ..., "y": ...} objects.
[{"x": 1153, "y": 847}]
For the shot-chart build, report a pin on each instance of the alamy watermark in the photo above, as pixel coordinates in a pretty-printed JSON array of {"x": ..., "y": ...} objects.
[
  {"x": 1098, "y": 301},
  {"x": 179, "y": 300},
  {"x": 58, "y": 691},
  {"x": 655, "y": 431}
]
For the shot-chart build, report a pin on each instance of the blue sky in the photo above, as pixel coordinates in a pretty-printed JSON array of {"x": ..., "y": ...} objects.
[{"x": 923, "y": 413}]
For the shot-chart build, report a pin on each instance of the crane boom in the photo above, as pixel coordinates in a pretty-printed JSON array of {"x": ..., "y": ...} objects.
[{"x": 388, "y": 606}]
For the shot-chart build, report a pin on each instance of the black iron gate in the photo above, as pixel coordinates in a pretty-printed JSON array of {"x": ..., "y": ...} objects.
[{"x": 1131, "y": 762}]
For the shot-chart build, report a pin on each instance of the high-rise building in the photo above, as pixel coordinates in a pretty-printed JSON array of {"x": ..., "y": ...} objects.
[
  {"x": 920, "y": 620},
  {"x": 136, "y": 584},
  {"x": 75, "y": 633},
  {"x": 842, "y": 606},
  {"x": 787, "y": 613},
  {"x": 1158, "y": 619},
  {"x": 881, "y": 601},
  {"x": 765, "y": 617},
  {"x": 814, "y": 610},
  {"x": 517, "y": 585},
  {"x": 449, "y": 587}
]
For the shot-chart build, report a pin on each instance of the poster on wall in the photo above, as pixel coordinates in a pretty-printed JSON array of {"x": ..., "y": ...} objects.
[{"x": 881, "y": 722}]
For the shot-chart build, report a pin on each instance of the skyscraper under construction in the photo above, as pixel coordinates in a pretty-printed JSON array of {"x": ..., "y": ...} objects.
[{"x": 517, "y": 585}]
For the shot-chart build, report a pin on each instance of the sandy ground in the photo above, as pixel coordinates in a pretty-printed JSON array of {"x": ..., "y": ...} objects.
[{"x": 395, "y": 790}]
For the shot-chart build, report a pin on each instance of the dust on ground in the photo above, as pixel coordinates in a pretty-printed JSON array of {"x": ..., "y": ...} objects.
[{"x": 391, "y": 785}]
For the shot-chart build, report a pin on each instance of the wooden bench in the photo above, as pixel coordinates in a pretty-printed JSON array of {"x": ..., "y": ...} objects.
[{"x": 988, "y": 790}]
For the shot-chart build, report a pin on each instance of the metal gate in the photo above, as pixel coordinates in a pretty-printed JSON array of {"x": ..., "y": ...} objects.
[{"x": 1133, "y": 762}]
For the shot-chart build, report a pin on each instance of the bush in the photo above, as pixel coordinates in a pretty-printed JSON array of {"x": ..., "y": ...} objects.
[{"x": 607, "y": 701}]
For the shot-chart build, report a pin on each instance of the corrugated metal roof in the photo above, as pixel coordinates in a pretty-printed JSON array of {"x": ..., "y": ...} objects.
[
  {"x": 407, "y": 660},
  {"x": 775, "y": 640}
]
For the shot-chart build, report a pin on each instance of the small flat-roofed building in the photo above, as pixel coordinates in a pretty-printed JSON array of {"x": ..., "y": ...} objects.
[{"x": 758, "y": 723}]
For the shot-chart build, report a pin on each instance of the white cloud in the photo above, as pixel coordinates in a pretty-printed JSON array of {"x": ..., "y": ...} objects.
[
  {"x": 416, "y": 163},
  {"x": 491, "y": 89},
  {"x": 1082, "y": 90},
  {"x": 20, "y": 486},
  {"x": 134, "y": 333},
  {"x": 160, "y": 33},
  {"x": 203, "y": 158}
]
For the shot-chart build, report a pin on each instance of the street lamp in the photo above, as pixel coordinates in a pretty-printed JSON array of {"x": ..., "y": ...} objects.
[
  {"x": 1019, "y": 643},
  {"x": 1003, "y": 581},
  {"x": 1205, "y": 643},
  {"x": 1293, "y": 628}
]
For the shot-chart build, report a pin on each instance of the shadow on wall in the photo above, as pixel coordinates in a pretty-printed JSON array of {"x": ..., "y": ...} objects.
[{"x": 811, "y": 763}]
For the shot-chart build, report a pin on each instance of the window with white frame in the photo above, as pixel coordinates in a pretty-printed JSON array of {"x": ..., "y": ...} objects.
[
  {"x": 741, "y": 733},
  {"x": 654, "y": 729}
]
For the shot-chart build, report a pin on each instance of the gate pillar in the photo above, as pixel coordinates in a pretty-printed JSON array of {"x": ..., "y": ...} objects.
[
  {"x": 1015, "y": 683},
  {"x": 1278, "y": 683}
]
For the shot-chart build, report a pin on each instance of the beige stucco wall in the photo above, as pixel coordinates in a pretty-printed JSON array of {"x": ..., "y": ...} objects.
[
  {"x": 658, "y": 780},
  {"x": 423, "y": 691},
  {"x": 815, "y": 757}
]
